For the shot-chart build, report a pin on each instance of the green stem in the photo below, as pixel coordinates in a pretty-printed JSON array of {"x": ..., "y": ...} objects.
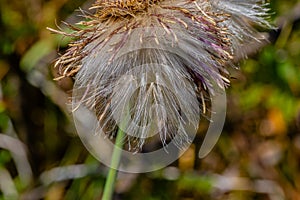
[{"x": 115, "y": 161}]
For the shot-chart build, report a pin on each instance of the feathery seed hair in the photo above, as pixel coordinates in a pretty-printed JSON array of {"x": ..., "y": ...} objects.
[{"x": 156, "y": 53}]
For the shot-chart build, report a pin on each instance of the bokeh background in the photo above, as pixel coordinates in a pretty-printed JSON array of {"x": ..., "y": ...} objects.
[{"x": 41, "y": 156}]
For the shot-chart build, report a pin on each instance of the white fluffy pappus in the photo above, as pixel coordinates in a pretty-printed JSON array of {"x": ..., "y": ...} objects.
[{"x": 149, "y": 67}]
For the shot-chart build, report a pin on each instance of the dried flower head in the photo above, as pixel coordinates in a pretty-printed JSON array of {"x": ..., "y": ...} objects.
[{"x": 153, "y": 63}]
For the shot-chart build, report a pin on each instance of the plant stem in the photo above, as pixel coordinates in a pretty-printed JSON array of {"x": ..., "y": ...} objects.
[{"x": 115, "y": 161}]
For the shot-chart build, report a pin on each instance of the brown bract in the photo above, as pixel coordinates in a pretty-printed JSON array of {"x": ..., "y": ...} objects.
[{"x": 121, "y": 8}]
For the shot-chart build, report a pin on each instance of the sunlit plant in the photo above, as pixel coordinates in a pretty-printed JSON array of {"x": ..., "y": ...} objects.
[{"x": 149, "y": 66}]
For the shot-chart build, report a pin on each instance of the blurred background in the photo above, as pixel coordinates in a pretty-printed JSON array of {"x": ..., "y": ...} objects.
[{"x": 41, "y": 156}]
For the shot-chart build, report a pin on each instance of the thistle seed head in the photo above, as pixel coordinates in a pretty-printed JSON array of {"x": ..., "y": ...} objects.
[{"x": 154, "y": 63}]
